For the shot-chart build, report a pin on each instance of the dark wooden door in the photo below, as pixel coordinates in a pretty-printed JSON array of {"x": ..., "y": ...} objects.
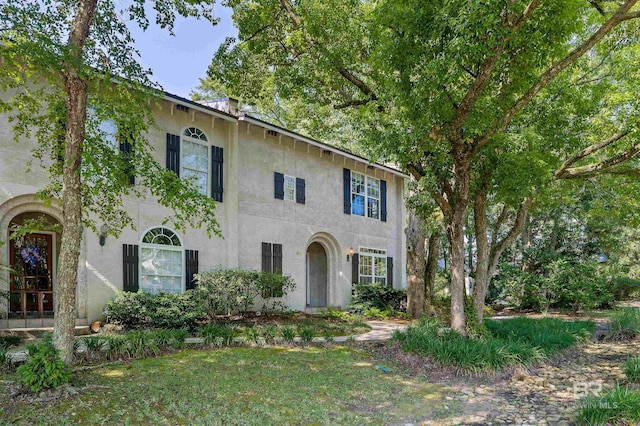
[{"x": 31, "y": 276}]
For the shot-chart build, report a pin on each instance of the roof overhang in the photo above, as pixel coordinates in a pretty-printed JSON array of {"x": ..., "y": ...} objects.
[
  {"x": 296, "y": 136},
  {"x": 199, "y": 107}
]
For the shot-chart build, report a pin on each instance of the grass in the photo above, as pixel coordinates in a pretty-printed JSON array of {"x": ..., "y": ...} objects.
[
  {"x": 620, "y": 405},
  {"x": 237, "y": 385},
  {"x": 509, "y": 342},
  {"x": 632, "y": 369}
]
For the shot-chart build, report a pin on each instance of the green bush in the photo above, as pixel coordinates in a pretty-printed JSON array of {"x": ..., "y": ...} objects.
[
  {"x": 307, "y": 333},
  {"x": 227, "y": 291},
  {"x": 163, "y": 310},
  {"x": 44, "y": 369},
  {"x": 288, "y": 333},
  {"x": 9, "y": 341},
  {"x": 620, "y": 405},
  {"x": 624, "y": 288},
  {"x": 381, "y": 297},
  {"x": 632, "y": 369}
]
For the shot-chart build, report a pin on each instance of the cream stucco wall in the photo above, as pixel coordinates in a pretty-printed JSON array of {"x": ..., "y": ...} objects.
[{"x": 248, "y": 215}]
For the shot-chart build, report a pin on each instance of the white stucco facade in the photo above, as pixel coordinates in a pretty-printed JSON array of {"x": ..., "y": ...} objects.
[{"x": 249, "y": 214}]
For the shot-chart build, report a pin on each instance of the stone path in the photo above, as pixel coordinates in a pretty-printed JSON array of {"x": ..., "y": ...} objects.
[{"x": 546, "y": 395}]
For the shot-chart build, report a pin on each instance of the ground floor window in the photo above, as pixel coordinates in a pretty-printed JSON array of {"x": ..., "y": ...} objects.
[
  {"x": 372, "y": 266},
  {"x": 161, "y": 261}
]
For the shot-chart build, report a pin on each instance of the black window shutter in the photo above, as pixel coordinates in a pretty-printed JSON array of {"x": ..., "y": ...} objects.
[
  {"x": 355, "y": 269},
  {"x": 390, "y": 271},
  {"x": 191, "y": 260},
  {"x": 277, "y": 259},
  {"x": 126, "y": 150},
  {"x": 383, "y": 200},
  {"x": 346, "y": 178},
  {"x": 130, "y": 267},
  {"x": 266, "y": 257},
  {"x": 217, "y": 160},
  {"x": 173, "y": 153},
  {"x": 300, "y": 191},
  {"x": 278, "y": 184}
]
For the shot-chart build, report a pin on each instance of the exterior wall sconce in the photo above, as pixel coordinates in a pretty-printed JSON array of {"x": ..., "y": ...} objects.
[
  {"x": 350, "y": 253},
  {"x": 104, "y": 230}
]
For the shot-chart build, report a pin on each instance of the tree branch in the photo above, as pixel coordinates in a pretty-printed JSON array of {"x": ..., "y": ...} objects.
[
  {"x": 552, "y": 72},
  {"x": 597, "y": 168},
  {"x": 516, "y": 229},
  {"x": 590, "y": 150}
]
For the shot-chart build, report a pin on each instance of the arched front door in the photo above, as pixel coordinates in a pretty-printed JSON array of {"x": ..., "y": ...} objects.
[{"x": 317, "y": 277}]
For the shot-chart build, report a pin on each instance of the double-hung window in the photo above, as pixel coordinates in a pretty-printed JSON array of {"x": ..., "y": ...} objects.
[
  {"x": 289, "y": 188},
  {"x": 372, "y": 266},
  {"x": 195, "y": 158},
  {"x": 365, "y": 196}
]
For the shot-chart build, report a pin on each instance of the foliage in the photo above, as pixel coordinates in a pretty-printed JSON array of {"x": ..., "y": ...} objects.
[
  {"x": 163, "y": 310},
  {"x": 366, "y": 296},
  {"x": 620, "y": 405},
  {"x": 10, "y": 340},
  {"x": 632, "y": 369},
  {"x": 510, "y": 342},
  {"x": 5, "y": 358},
  {"x": 44, "y": 369},
  {"x": 227, "y": 290},
  {"x": 624, "y": 324},
  {"x": 218, "y": 334},
  {"x": 307, "y": 333},
  {"x": 288, "y": 333}
]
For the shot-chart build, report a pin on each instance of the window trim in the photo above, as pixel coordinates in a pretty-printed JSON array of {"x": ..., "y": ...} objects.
[
  {"x": 293, "y": 181},
  {"x": 207, "y": 145},
  {"x": 373, "y": 253},
  {"x": 366, "y": 195},
  {"x": 142, "y": 245}
]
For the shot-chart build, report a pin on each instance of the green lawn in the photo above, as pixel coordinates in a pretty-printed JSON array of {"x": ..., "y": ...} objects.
[{"x": 258, "y": 386}]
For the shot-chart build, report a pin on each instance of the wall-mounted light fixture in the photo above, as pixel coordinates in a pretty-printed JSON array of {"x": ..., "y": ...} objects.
[
  {"x": 104, "y": 230},
  {"x": 350, "y": 253}
]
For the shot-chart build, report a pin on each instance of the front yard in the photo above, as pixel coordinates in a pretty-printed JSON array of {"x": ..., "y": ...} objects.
[{"x": 251, "y": 386}]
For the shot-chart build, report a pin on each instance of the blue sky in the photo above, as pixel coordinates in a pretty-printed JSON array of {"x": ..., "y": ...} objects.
[{"x": 179, "y": 61}]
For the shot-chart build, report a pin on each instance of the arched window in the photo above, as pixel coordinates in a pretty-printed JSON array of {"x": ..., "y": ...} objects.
[
  {"x": 161, "y": 261},
  {"x": 195, "y": 158}
]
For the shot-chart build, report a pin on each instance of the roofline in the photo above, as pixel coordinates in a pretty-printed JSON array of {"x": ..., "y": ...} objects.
[
  {"x": 252, "y": 120},
  {"x": 199, "y": 107}
]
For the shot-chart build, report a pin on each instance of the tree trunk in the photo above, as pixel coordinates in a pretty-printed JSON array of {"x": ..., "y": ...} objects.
[
  {"x": 76, "y": 109},
  {"x": 482, "y": 253},
  {"x": 415, "y": 265},
  {"x": 432, "y": 265}
]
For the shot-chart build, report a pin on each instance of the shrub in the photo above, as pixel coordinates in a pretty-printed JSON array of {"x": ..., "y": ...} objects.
[
  {"x": 620, "y": 405},
  {"x": 377, "y": 313},
  {"x": 142, "y": 344},
  {"x": 9, "y": 341},
  {"x": 44, "y": 369},
  {"x": 632, "y": 369},
  {"x": 624, "y": 325},
  {"x": 378, "y": 296},
  {"x": 624, "y": 288},
  {"x": 227, "y": 291},
  {"x": 163, "y": 310}
]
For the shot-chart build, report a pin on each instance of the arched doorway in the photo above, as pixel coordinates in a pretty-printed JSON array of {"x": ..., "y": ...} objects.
[
  {"x": 317, "y": 276},
  {"x": 32, "y": 262}
]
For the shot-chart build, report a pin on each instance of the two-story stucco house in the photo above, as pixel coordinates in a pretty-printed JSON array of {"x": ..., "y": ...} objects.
[{"x": 286, "y": 203}]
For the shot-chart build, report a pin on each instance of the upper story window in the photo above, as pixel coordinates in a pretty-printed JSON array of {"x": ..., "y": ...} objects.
[
  {"x": 161, "y": 261},
  {"x": 195, "y": 158},
  {"x": 365, "y": 196},
  {"x": 289, "y": 188}
]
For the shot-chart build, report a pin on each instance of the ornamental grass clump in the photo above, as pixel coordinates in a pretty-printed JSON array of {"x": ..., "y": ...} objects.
[
  {"x": 619, "y": 406},
  {"x": 624, "y": 325},
  {"x": 218, "y": 334},
  {"x": 632, "y": 369},
  {"x": 507, "y": 343}
]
